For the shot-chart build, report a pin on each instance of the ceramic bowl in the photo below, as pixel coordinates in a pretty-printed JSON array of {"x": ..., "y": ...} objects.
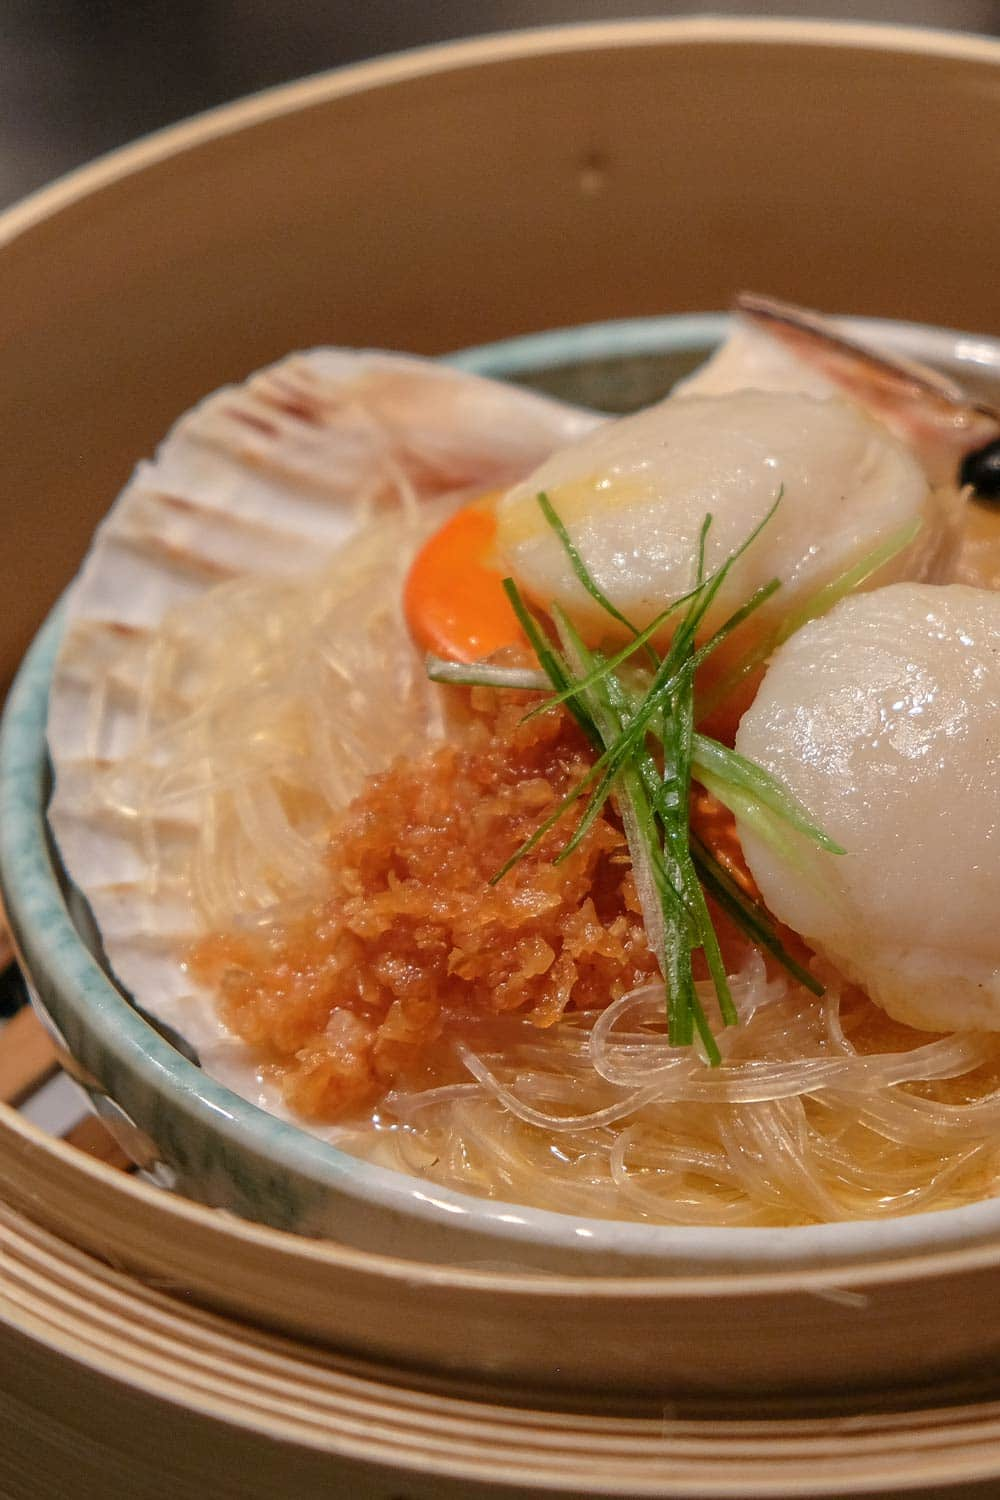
[{"x": 192, "y": 1134}]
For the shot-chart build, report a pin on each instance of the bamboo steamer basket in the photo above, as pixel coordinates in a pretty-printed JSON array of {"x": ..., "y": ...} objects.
[
  {"x": 134, "y": 1360},
  {"x": 149, "y": 1346}
]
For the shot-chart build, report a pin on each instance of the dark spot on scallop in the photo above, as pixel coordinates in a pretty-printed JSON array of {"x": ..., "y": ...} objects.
[{"x": 982, "y": 471}]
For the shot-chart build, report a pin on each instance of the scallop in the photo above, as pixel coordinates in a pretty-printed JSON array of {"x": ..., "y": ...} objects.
[
  {"x": 634, "y": 495},
  {"x": 884, "y": 719}
]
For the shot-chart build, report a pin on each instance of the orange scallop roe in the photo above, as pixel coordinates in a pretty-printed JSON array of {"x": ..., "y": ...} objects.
[{"x": 410, "y": 936}]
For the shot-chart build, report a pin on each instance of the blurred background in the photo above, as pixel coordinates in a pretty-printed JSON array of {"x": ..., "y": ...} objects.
[{"x": 79, "y": 77}]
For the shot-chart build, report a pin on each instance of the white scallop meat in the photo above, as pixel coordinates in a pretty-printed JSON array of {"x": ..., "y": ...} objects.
[
  {"x": 634, "y": 495},
  {"x": 884, "y": 719}
]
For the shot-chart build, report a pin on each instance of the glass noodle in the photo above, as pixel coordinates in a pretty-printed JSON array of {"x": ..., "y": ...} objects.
[
  {"x": 258, "y": 719},
  {"x": 601, "y": 1116}
]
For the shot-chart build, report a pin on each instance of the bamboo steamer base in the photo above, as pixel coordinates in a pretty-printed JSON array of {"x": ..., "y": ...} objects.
[
  {"x": 135, "y": 1361},
  {"x": 125, "y": 1390}
]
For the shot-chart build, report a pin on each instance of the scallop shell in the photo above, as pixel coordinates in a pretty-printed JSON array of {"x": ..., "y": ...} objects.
[{"x": 263, "y": 479}]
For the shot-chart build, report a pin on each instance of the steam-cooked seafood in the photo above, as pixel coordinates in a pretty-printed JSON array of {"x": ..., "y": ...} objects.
[
  {"x": 883, "y": 717},
  {"x": 633, "y": 496},
  {"x": 786, "y": 406}
]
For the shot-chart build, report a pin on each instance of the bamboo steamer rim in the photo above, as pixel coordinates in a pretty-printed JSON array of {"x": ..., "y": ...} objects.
[
  {"x": 353, "y": 78},
  {"x": 93, "y": 1321}
]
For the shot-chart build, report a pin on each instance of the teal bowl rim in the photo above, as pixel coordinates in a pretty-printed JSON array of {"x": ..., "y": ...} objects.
[{"x": 59, "y": 962}]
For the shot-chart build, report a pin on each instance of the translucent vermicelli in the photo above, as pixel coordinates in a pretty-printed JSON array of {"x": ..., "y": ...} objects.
[
  {"x": 256, "y": 719},
  {"x": 604, "y": 1118}
]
